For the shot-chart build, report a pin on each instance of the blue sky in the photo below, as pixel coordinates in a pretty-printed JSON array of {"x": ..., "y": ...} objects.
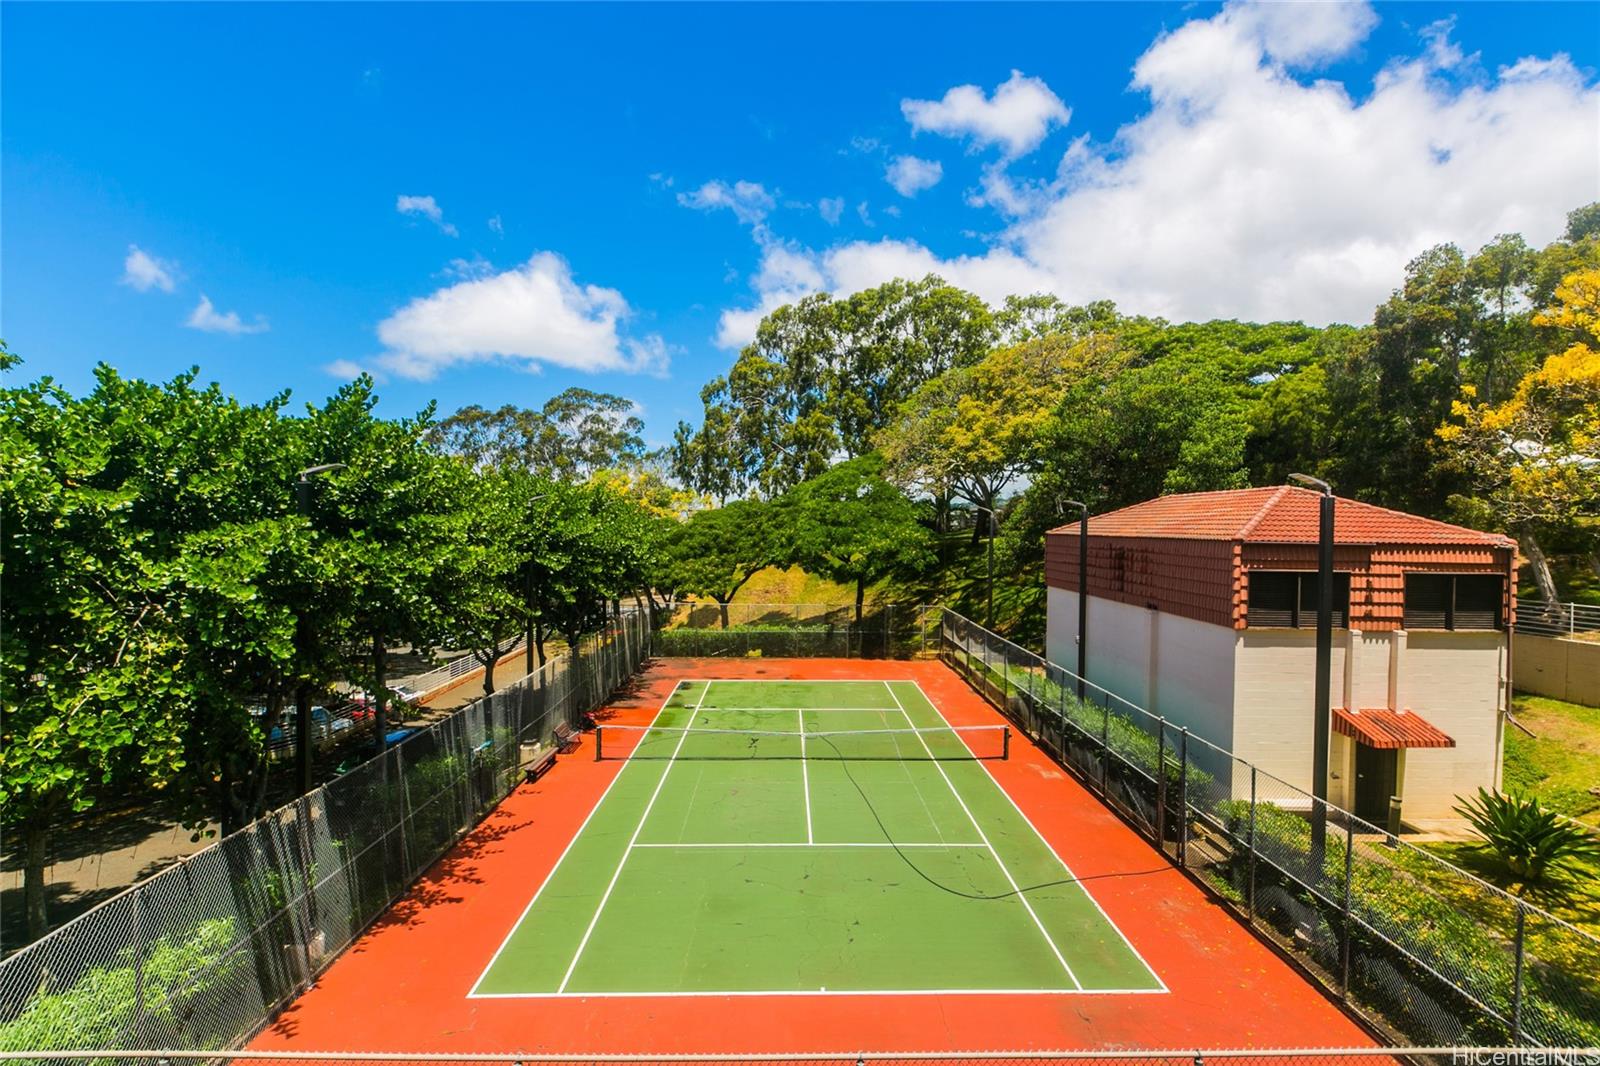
[{"x": 486, "y": 204}]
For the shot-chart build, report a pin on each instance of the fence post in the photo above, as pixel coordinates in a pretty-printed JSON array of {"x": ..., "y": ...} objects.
[
  {"x": 131, "y": 1033},
  {"x": 1005, "y": 682},
  {"x": 1250, "y": 838},
  {"x": 1519, "y": 949},
  {"x": 1161, "y": 784},
  {"x": 1105, "y": 746},
  {"x": 1183, "y": 797},
  {"x": 1349, "y": 866}
]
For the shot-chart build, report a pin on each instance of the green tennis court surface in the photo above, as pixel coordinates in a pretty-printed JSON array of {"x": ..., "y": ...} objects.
[{"x": 802, "y": 837}]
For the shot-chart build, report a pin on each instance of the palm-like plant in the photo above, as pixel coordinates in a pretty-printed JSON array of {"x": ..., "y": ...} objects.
[{"x": 1530, "y": 839}]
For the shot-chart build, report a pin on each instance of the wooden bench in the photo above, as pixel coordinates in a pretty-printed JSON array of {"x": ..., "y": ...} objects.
[
  {"x": 566, "y": 737},
  {"x": 541, "y": 762}
]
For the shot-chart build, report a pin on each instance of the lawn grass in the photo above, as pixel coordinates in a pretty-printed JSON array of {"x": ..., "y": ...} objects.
[
  {"x": 1576, "y": 581},
  {"x": 1560, "y": 763}
]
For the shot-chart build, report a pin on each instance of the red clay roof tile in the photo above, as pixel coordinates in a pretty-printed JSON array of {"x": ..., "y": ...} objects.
[
  {"x": 1278, "y": 514},
  {"x": 1379, "y": 727}
]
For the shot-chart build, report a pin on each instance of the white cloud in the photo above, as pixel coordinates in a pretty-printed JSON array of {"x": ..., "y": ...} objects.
[
  {"x": 206, "y": 318},
  {"x": 1246, "y": 191},
  {"x": 532, "y": 314},
  {"x": 428, "y": 208},
  {"x": 910, "y": 175},
  {"x": 748, "y": 200},
  {"x": 497, "y": 227},
  {"x": 343, "y": 369},
  {"x": 831, "y": 208},
  {"x": 143, "y": 271},
  {"x": 467, "y": 269},
  {"x": 1016, "y": 117}
]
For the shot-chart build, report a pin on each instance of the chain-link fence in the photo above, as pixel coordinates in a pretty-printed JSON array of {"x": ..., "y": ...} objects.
[
  {"x": 201, "y": 954},
  {"x": 1369, "y": 1056},
  {"x": 787, "y": 630},
  {"x": 1437, "y": 954}
]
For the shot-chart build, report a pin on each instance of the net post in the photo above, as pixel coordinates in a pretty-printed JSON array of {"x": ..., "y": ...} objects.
[
  {"x": 599, "y": 739},
  {"x": 1005, "y": 743}
]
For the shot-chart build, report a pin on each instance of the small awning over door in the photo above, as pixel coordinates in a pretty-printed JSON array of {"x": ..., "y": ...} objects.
[{"x": 1379, "y": 727}]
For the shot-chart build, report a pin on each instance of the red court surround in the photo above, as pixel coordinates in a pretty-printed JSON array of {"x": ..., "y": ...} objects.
[{"x": 403, "y": 986}]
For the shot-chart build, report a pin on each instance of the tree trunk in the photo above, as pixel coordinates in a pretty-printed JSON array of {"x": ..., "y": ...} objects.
[
  {"x": 1540, "y": 567},
  {"x": 527, "y": 649},
  {"x": 302, "y": 740},
  {"x": 861, "y": 595},
  {"x": 36, "y": 849},
  {"x": 489, "y": 664},
  {"x": 380, "y": 694},
  {"x": 538, "y": 641},
  {"x": 724, "y": 605}
]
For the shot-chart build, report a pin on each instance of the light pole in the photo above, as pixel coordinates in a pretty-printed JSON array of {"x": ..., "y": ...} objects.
[
  {"x": 527, "y": 657},
  {"x": 1083, "y": 590},
  {"x": 302, "y": 696},
  {"x": 1319, "y": 742}
]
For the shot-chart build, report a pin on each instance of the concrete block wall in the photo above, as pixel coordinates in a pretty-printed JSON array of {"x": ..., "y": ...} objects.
[{"x": 1557, "y": 667}]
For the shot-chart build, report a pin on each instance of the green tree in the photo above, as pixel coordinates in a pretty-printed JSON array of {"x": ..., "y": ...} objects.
[
  {"x": 88, "y": 659},
  {"x": 852, "y": 526},
  {"x": 576, "y": 433},
  {"x": 820, "y": 378},
  {"x": 973, "y": 431},
  {"x": 718, "y": 550},
  {"x": 1533, "y": 461}
]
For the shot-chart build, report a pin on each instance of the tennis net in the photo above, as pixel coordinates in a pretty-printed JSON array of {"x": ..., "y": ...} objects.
[{"x": 938, "y": 743}]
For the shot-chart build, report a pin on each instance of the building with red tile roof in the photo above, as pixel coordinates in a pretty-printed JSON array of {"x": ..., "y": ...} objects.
[{"x": 1202, "y": 609}]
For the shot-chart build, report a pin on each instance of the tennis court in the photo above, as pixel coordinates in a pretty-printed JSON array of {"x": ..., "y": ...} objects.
[{"x": 769, "y": 837}]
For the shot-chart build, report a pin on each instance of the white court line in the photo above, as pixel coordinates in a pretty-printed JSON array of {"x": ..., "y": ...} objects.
[
  {"x": 587, "y": 933},
  {"x": 805, "y": 844},
  {"x": 985, "y": 838},
  {"x": 785, "y": 710},
  {"x": 1082, "y": 887},
  {"x": 805, "y": 774},
  {"x": 832, "y": 992},
  {"x": 562, "y": 858}
]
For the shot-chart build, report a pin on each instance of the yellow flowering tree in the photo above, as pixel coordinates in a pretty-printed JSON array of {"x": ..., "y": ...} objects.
[{"x": 1534, "y": 459}]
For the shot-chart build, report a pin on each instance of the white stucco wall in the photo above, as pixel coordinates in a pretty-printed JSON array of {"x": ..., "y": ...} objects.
[
  {"x": 1171, "y": 666},
  {"x": 1275, "y": 686},
  {"x": 1253, "y": 691},
  {"x": 1456, "y": 681},
  {"x": 1453, "y": 680}
]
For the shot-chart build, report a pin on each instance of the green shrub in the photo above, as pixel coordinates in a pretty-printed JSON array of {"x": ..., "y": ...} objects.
[
  {"x": 98, "y": 1009},
  {"x": 1530, "y": 840}
]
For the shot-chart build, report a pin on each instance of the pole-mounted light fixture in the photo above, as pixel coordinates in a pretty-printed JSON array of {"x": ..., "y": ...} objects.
[
  {"x": 1083, "y": 587},
  {"x": 302, "y": 485},
  {"x": 1323, "y": 712}
]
